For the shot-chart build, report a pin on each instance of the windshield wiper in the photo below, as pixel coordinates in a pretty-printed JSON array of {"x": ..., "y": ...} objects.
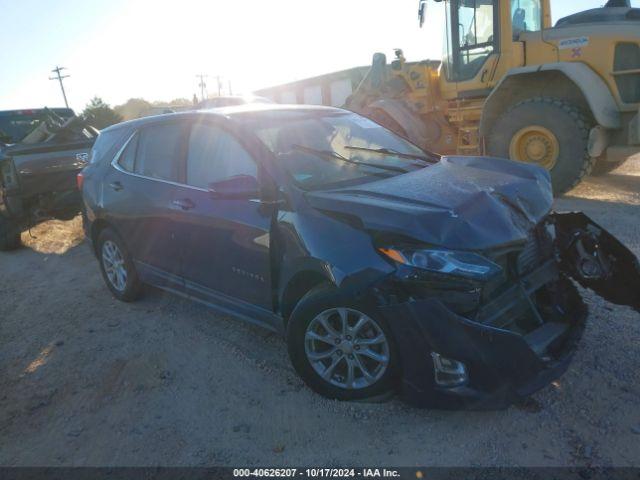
[
  {"x": 389, "y": 151},
  {"x": 330, "y": 154}
]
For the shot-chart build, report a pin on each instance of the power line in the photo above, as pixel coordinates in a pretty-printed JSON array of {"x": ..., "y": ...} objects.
[
  {"x": 219, "y": 83},
  {"x": 59, "y": 77},
  {"x": 202, "y": 84}
]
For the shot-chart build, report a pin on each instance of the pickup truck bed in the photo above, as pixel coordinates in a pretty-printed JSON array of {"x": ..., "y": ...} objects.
[{"x": 38, "y": 179}]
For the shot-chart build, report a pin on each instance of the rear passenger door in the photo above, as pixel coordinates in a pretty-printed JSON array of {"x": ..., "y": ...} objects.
[{"x": 142, "y": 190}]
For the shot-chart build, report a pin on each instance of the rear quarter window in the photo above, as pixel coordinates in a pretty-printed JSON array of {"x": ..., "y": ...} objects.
[
  {"x": 128, "y": 156},
  {"x": 160, "y": 150},
  {"x": 106, "y": 145}
]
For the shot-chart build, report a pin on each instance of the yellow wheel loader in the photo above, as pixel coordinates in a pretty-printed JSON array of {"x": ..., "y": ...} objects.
[{"x": 564, "y": 97}]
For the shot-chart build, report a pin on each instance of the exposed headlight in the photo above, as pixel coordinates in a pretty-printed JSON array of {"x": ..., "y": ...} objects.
[{"x": 462, "y": 264}]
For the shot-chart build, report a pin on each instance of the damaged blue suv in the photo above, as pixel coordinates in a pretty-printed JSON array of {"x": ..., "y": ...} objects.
[{"x": 386, "y": 267}]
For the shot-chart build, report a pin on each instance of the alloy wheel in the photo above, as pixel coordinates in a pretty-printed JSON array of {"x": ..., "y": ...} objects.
[
  {"x": 114, "y": 267},
  {"x": 347, "y": 348}
]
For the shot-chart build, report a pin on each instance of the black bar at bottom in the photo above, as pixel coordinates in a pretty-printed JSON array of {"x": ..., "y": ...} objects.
[{"x": 303, "y": 473}]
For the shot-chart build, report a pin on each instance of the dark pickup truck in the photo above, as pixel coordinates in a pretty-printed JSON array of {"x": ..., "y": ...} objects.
[{"x": 41, "y": 152}]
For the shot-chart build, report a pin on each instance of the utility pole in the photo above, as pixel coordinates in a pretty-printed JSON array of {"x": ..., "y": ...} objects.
[
  {"x": 230, "y": 91},
  {"x": 219, "y": 85},
  {"x": 202, "y": 84},
  {"x": 59, "y": 77}
]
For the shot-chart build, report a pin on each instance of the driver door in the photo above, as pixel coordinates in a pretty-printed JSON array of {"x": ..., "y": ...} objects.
[{"x": 225, "y": 240}]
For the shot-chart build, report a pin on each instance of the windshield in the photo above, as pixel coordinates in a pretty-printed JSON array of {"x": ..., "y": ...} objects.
[{"x": 321, "y": 150}]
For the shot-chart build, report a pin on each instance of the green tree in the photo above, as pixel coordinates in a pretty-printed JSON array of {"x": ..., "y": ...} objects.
[
  {"x": 176, "y": 102},
  {"x": 133, "y": 108},
  {"x": 181, "y": 102},
  {"x": 99, "y": 114}
]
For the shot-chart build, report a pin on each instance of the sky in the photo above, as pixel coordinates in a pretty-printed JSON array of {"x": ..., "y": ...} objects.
[{"x": 120, "y": 49}]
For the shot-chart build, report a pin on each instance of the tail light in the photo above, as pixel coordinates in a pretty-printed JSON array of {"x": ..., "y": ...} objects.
[{"x": 80, "y": 180}]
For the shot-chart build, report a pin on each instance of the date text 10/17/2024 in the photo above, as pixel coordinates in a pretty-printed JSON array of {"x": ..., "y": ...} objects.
[{"x": 317, "y": 472}]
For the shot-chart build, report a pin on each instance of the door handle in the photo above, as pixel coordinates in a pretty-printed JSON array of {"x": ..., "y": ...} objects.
[
  {"x": 184, "y": 204},
  {"x": 117, "y": 186}
]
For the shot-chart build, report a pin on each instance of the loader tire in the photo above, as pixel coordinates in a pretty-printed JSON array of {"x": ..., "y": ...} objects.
[
  {"x": 602, "y": 166},
  {"x": 549, "y": 132}
]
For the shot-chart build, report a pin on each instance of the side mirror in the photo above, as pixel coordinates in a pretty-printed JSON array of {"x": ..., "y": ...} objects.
[
  {"x": 422, "y": 11},
  {"x": 239, "y": 186}
]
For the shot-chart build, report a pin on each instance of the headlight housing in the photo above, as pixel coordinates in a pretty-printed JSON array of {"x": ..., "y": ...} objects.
[{"x": 450, "y": 262}]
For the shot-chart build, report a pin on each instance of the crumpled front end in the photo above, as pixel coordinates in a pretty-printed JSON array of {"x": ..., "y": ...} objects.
[
  {"x": 502, "y": 364},
  {"x": 500, "y": 340},
  {"x": 464, "y": 343},
  {"x": 480, "y": 292}
]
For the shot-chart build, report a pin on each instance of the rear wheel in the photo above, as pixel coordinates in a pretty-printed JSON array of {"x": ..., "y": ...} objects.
[
  {"x": 9, "y": 235},
  {"x": 548, "y": 132},
  {"x": 117, "y": 267},
  {"x": 340, "y": 348}
]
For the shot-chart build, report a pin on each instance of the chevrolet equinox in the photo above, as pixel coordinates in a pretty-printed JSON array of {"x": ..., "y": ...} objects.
[{"x": 449, "y": 280}]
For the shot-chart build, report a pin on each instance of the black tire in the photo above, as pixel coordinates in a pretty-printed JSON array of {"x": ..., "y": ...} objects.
[
  {"x": 566, "y": 121},
  {"x": 10, "y": 238},
  {"x": 602, "y": 166},
  {"x": 321, "y": 299},
  {"x": 132, "y": 286}
]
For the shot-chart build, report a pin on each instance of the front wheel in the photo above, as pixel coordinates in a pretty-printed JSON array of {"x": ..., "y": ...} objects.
[
  {"x": 548, "y": 132},
  {"x": 340, "y": 348}
]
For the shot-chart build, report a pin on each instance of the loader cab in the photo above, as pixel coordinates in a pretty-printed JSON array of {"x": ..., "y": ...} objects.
[
  {"x": 472, "y": 37},
  {"x": 483, "y": 41}
]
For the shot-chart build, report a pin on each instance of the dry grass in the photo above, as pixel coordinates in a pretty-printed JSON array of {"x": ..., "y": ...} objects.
[
  {"x": 54, "y": 236},
  {"x": 620, "y": 186}
]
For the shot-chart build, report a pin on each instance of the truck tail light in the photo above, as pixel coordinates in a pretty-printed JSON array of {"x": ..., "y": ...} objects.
[{"x": 80, "y": 180}]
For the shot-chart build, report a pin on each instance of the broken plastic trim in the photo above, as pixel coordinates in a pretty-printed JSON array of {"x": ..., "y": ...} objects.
[{"x": 596, "y": 259}]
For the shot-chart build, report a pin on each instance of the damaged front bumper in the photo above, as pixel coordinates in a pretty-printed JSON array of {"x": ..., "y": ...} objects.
[
  {"x": 519, "y": 339},
  {"x": 502, "y": 365}
]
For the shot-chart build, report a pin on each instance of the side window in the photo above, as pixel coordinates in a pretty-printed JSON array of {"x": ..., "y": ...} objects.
[
  {"x": 159, "y": 151},
  {"x": 215, "y": 155},
  {"x": 128, "y": 156},
  {"x": 526, "y": 16}
]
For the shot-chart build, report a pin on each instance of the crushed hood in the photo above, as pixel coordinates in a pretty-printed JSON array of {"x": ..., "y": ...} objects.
[{"x": 465, "y": 203}]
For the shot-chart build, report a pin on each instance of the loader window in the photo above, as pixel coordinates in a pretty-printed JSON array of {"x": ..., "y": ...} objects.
[
  {"x": 471, "y": 24},
  {"x": 526, "y": 16}
]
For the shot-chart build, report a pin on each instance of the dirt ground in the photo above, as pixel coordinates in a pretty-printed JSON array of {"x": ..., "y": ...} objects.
[{"x": 86, "y": 380}]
